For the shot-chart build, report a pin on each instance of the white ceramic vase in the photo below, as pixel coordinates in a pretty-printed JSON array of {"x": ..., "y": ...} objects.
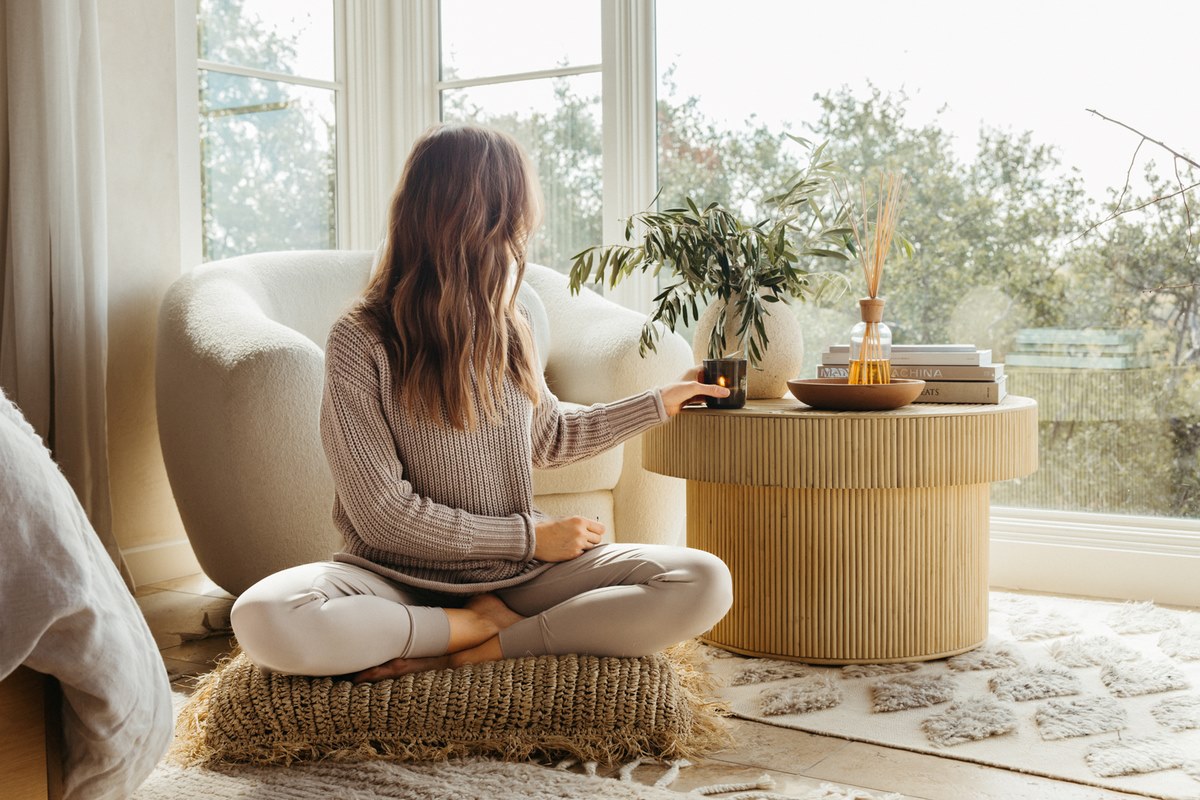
[{"x": 780, "y": 363}]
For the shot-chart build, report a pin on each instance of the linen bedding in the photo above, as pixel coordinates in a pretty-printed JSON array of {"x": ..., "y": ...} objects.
[{"x": 68, "y": 614}]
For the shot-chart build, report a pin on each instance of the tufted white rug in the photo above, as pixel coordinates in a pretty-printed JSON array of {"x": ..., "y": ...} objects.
[
  {"x": 469, "y": 779},
  {"x": 377, "y": 780},
  {"x": 1106, "y": 694}
]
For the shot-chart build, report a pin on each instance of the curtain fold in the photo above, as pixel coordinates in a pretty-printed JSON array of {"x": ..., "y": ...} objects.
[{"x": 54, "y": 318}]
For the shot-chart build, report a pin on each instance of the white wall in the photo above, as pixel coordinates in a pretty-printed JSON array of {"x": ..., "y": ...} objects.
[{"x": 138, "y": 44}]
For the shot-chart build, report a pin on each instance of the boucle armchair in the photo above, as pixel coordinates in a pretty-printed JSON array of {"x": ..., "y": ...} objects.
[{"x": 239, "y": 373}]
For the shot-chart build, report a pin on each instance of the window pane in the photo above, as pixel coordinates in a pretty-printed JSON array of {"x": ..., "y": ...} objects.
[
  {"x": 558, "y": 123},
  {"x": 1005, "y": 170},
  {"x": 290, "y": 36},
  {"x": 268, "y": 165},
  {"x": 483, "y": 37}
]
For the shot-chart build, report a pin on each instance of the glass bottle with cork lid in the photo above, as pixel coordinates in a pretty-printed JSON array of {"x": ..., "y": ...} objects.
[{"x": 870, "y": 345}]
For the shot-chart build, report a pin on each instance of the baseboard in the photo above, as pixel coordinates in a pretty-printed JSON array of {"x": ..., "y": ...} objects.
[
  {"x": 161, "y": 561},
  {"x": 1097, "y": 555}
]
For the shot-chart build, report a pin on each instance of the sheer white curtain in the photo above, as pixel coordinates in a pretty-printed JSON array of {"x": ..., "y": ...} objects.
[{"x": 54, "y": 316}]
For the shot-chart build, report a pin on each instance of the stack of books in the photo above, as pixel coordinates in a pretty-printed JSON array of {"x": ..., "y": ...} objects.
[{"x": 953, "y": 373}]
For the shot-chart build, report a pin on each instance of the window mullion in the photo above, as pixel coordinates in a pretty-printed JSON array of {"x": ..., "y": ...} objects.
[
  {"x": 558, "y": 72},
  {"x": 630, "y": 130},
  {"x": 342, "y": 204},
  {"x": 268, "y": 75}
]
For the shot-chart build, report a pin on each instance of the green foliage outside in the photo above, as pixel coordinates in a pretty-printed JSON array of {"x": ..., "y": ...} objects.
[{"x": 996, "y": 249}]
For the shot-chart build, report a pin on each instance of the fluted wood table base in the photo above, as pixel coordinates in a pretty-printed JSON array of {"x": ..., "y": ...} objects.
[
  {"x": 852, "y": 536},
  {"x": 847, "y": 575}
]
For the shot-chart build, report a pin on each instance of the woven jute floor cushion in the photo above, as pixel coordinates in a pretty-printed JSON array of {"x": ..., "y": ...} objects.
[{"x": 588, "y": 707}]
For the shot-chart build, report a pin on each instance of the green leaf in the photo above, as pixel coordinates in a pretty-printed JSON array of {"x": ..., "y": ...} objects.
[
  {"x": 823, "y": 253},
  {"x": 661, "y": 296}
]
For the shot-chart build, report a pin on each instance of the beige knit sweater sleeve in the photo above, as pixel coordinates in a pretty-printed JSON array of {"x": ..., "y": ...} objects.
[{"x": 563, "y": 437}]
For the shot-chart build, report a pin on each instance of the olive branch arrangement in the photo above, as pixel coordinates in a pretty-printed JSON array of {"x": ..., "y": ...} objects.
[{"x": 711, "y": 254}]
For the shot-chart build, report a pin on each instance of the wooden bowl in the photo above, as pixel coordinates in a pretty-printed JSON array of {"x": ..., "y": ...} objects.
[{"x": 834, "y": 394}]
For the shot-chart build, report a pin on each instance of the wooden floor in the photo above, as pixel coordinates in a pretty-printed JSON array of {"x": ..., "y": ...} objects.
[{"x": 798, "y": 762}]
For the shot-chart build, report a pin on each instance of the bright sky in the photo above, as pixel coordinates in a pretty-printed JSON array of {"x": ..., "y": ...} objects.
[
  {"x": 309, "y": 23},
  {"x": 1017, "y": 65}
]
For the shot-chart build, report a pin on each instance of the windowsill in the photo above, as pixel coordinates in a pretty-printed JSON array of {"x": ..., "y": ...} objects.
[{"x": 1096, "y": 555}]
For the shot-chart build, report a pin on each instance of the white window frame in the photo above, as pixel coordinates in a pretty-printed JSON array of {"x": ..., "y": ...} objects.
[
  {"x": 189, "y": 65},
  {"x": 388, "y": 57},
  {"x": 398, "y": 88}
]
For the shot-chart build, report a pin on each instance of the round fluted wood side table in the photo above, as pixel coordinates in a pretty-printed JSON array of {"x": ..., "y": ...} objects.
[{"x": 852, "y": 537}]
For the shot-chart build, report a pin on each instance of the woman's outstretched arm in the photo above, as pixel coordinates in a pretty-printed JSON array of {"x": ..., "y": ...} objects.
[{"x": 563, "y": 437}]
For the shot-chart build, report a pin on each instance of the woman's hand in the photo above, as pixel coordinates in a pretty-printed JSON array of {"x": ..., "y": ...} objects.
[
  {"x": 676, "y": 395},
  {"x": 566, "y": 538}
]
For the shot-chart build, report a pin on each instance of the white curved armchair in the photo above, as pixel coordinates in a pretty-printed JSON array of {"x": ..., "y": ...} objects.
[{"x": 239, "y": 374}]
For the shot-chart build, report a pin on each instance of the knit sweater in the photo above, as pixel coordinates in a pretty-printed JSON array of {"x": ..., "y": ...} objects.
[{"x": 439, "y": 508}]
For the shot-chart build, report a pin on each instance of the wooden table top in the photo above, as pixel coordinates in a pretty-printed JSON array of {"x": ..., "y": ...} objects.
[
  {"x": 790, "y": 407},
  {"x": 784, "y": 443}
]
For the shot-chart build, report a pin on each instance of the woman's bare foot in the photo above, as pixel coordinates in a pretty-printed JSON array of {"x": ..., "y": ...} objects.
[
  {"x": 492, "y": 608},
  {"x": 401, "y": 666},
  {"x": 473, "y": 640},
  {"x": 488, "y": 651}
]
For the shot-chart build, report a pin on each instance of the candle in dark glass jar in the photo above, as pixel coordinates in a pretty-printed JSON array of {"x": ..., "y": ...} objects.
[{"x": 730, "y": 373}]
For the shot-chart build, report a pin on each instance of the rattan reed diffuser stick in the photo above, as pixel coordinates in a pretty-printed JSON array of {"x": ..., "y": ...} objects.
[{"x": 872, "y": 243}]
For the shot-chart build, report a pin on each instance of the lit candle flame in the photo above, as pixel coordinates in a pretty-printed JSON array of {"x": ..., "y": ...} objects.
[{"x": 720, "y": 380}]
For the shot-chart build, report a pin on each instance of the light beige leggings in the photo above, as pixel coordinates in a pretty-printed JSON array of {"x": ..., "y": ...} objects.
[{"x": 330, "y": 618}]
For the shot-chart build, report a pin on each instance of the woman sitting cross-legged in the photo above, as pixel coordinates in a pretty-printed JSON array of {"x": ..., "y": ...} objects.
[{"x": 433, "y": 416}]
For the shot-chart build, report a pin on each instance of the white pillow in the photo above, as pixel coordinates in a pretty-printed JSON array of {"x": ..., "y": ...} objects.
[{"x": 68, "y": 614}]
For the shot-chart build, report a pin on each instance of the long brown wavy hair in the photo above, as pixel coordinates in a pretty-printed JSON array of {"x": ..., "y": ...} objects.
[{"x": 441, "y": 299}]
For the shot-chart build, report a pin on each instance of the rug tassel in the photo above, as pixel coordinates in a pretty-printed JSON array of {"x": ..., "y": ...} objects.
[
  {"x": 566, "y": 763},
  {"x": 626, "y": 771},
  {"x": 671, "y": 774},
  {"x": 589, "y": 767},
  {"x": 765, "y": 782}
]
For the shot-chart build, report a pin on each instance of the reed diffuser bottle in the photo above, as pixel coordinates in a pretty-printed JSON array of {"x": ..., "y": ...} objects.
[
  {"x": 872, "y": 232},
  {"x": 870, "y": 345}
]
